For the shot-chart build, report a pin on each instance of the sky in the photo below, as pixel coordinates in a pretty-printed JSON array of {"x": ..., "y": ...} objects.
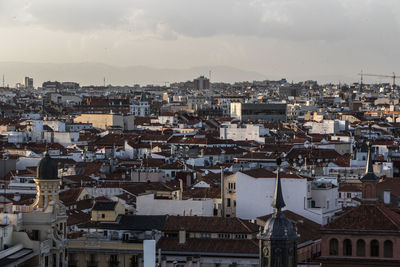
[{"x": 297, "y": 39}]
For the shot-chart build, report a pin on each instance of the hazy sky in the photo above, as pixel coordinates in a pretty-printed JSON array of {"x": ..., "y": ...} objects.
[{"x": 278, "y": 38}]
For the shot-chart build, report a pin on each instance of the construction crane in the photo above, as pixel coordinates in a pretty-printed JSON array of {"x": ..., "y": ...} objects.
[{"x": 393, "y": 76}]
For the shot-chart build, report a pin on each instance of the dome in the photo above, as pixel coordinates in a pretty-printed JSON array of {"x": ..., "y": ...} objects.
[
  {"x": 47, "y": 169},
  {"x": 279, "y": 227}
]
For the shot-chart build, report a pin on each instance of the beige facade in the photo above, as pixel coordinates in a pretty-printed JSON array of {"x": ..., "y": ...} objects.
[
  {"x": 230, "y": 195},
  {"x": 94, "y": 251},
  {"x": 108, "y": 215},
  {"x": 101, "y": 121},
  {"x": 43, "y": 228}
]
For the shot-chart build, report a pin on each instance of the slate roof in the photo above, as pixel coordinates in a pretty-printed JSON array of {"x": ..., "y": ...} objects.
[
  {"x": 104, "y": 205},
  {"x": 307, "y": 229},
  {"x": 132, "y": 222}
]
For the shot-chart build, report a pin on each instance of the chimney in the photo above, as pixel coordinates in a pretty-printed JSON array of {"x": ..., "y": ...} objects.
[
  {"x": 182, "y": 236},
  {"x": 386, "y": 196},
  {"x": 181, "y": 189},
  {"x": 222, "y": 192}
]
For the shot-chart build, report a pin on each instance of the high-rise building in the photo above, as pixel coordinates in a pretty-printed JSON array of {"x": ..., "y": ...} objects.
[
  {"x": 201, "y": 83},
  {"x": 28, "y": 82}
]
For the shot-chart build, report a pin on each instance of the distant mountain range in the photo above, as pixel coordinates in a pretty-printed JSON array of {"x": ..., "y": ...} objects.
[{"x": 94, "y": 73}]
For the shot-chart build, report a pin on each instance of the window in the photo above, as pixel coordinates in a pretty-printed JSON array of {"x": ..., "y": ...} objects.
[
  {"x": 205, "y": 235},
  {"x": 333, "y": 247},
  {"x": 231, "y": 186},
  {"x": 114, "y": 258},
  {"x": 103, "y": 215},
  {"x": 35, "y": 235},
  {"x": 374, "y": 248},
  {"x": 347, "y": 247},
  {"x": 348, "y": 195},
  {"x": 240, "y": 236},
  {"x": 228, "y": 202},
  {"x": 388, "y": 249},
  {"x": 224, "y": 235},
  {"x": 360, "y": 248}
]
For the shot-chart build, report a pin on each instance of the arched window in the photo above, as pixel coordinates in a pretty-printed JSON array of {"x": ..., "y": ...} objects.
[
  {"x": 333, "y": 247},
  {"x": 347, "y": 248},
  {"x": 388, "y": 249},
  {"x": 374, "y": 248},
  {"x": 360, "y": 248}
]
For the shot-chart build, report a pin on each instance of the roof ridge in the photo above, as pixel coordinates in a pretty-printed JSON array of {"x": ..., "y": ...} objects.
[
  {"x": 242, "y": 222},
  {"x": 383, "y": 210}
]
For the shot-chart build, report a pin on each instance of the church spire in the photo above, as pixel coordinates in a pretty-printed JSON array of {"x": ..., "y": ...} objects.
[
  {"x": 369, "y": 168},
  {"x": 278, "y": 240},
  {"x": 278, "y": 203}
]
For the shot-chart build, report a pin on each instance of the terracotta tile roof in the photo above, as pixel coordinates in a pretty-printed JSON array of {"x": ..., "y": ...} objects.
[
  {"x": 313, "y": 153},
  {"x": 203, "y": 245},
  {"x": 88, "y": 168},
  {"x": 212, "y": 192},
  {"x": 209, "y": 224},
  {"x": 392, "y": 184},
  {"x": 366, "y": 217},
  {"x": 263, "y": 173},
  {"x": 343, "y": 161},
  {"x": 350, "y": 187},
  {"x": 76, "y": 217},
  {"x": 139, "y": 188},
  {"x": 70, "y": 196}
]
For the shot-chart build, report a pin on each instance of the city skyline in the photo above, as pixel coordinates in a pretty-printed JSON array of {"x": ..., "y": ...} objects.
[{"x": 329, "y": 42}]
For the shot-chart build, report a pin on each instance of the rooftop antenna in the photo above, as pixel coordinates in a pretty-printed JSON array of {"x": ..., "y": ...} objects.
[
  {"x": 3, "y": 81},
  {"x": 104, "y": 81}
]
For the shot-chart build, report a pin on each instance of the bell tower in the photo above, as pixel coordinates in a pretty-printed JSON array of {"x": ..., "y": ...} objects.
[
  {"x": 278, "y": 240},
  {"x": 47, "y": 183}
]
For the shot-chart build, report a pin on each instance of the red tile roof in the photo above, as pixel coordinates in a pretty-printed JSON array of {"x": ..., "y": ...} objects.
[
  {"x": 366, "y": 218},
  {"x": 209, "y": 224},
  {"x": 206, "y": 245},
  {"x": 263, "y": 173}
]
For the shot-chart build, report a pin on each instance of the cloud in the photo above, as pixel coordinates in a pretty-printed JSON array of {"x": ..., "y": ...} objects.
[{"x": 306, "y": 20}]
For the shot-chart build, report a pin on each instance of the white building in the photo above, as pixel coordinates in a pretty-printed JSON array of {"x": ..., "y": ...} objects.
[
  {"x": 255, "y": 192},
  {"x": 324, "y": 127},
  {"x": 140, "y": 107},
  {"x": 240, "y": 131},
  {"x": 147, "y": 204}
]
